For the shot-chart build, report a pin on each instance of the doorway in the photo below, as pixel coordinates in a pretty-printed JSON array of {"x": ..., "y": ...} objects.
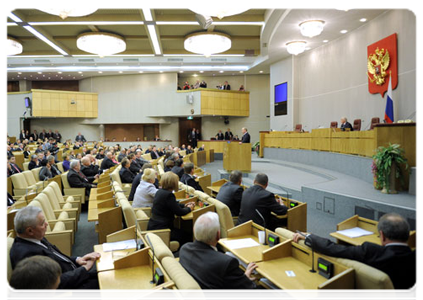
[{"x": 185, "y": 127}]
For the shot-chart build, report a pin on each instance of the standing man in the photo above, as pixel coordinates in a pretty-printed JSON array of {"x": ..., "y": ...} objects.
[
  {"x": 192, "y": 138},
  {"x": 345, "y": 124},
  {"x": 257, "y": 204},
  {"x": 220, "y": 136},
  {"x": 226, "y": 86},
  {"x": 80, "y": 138},
  {"x": 245, "y": 136},
  {"x": 228, "y": 135}
]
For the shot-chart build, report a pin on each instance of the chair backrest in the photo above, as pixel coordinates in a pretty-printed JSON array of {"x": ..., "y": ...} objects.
[
  {"x": 47, "y": 208},
  {"x": 60, "y": 166},
  {"x": 25, "y": 166},
  {"x": 19, "y": 181},
  {"x": 36, "y": 173},
  {"x": 116, "y": 176},
  {"x": 366, "y": 277},
  {"x": 334, "y": 124},
  {"x": 225, "y": 217},
  {"x": 65, "y": 182},
  {"x": 298, "y": 127},
  {"x": 161, "y": 162},
  {"x": 51, "y": 195},
  {"x": 182, "y": 279},
  {"x": 375, "y": 121},
  {"x": 128, "y": 213},
  {"x": 38, "y": 204},
  {"x": 147, "y": 156},
  {"x": 9, "y": 263},
  {"x": 55, "y": 187},
  {"x": 160, "y": 248},
  {"x": 29, "y": 177},
  {"x": 357, "y": 125}
]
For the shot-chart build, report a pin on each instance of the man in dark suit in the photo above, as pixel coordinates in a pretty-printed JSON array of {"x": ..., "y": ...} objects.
[
  {"x": 220, "y": 136},
  {"x": 228, "y": 135},
  {"x": 154, "y": 154},
  {"x": 257, "y": 204},
  {"x": 31, "y": 226},
  {"x": 23, "y": 135},
  {"x": 393, "y": 256},
  {"x": 14, "y": 167},
  {"x": 226, "y": 86},
  {"x": 134, "y": 166},
  {"x": 210, "y": 268},
  {"x": 34, "y": 163},
  {"x": 88, "y": 169},
  {"x": 57, "y": 136},
  {"x": 192, "y": 138},
  {"x": 107, "y": 162},
  {"x": 345, "y": 124},
  {"x": 231, "y": 192},
  {"x": 126, "y": 176},
  {"x": 245, "y": 136},
  {"x": 80, "y": 138},
  {"x": 178, "y": 168},
  {"x": 34, "y": 135},
  {"x": 78, "y": 180},
  {"x": 43, "y": 135},
  {"x": 188, "y": 177}
]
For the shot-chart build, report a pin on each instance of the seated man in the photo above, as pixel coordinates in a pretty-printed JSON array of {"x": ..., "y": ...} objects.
[
  {"x": 257, "y": 204},
  {"x": 88, "y": 169},
  {"x": 31, "y": 226},
  {"x": 394, "y": 256},
  {"x": 34, "y": 163},
  {"x": 107, "y": 162},
  {"x": 126, "y": 176},
  {"x": 231, "y": 192},
  {"x": 178, "y": 168},
  {"x": 77, "y": 179},
  {"x": 36, "y": 272},
  {"x": 188, "y": 177},
  {"x": 209, "y": 267},
  {"x": 345, "y": 124}
]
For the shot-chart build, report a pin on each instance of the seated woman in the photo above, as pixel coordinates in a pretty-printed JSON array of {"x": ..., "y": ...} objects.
[
  {"x": 146, "y": 190},
  {"x": 165, "y": 207},
  {"x": 66, "y": 162}
]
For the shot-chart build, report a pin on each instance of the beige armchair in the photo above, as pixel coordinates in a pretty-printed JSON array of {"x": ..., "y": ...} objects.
[{"x": 70, "y": 191}]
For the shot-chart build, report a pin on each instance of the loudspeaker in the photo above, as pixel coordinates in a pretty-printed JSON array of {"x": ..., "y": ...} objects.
[
  {"x": 204, "y": 21},
  {"x": 226, "y": 120}
]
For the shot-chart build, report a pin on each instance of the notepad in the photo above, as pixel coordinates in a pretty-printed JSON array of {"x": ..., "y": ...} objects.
[
  {"x": 240, "y": 243},
  {"x": 122, "y": 245},
  {"x": 355, "y": 232}
]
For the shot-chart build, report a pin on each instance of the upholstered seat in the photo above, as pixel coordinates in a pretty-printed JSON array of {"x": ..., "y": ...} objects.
[
  {"x": 161, "y": 250},
  {"x": 298, "y": 127},
  {"x": 375, "y": 121},
  {"x": 182, "y": 279},
  {"x": 334, "y": 124},
  {"x": 68, "y": 190},
  {"x": 357, "y": 125}
]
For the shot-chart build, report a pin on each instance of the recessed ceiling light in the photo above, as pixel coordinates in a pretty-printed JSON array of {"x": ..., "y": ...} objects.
[
  {"x": 307, "y": 48},
  {"x": 80, "y": 72},
  {"x": 100, "y": 72},
  {"x": 18, "y": 76},
  {"x": 181, "y": 71},
  {"x": 344, "y": 31},
  {"x": 241, "y": 72},
  {"x": 195, "y": 75},
  {"x": 325, "y": 41},
  {"x": 40, "y": 72},
  {"x": 120, "y": 72},
  {"x": 19, "y": 73},
  {"x": 161, "y": 71},
  {"x": 59, "y": 72},
  {"x": 140, "y": 71},
  {"x": 82, "y": 75},
  {"x": 261, "y": 72},
  {"x": 363, "y": 20},
  {"x": 201, "y": 71},
  {"x": 221, "y": 71}
]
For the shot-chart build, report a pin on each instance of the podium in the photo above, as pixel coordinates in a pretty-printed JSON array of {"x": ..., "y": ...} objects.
[{"x": 237, "y": 157}]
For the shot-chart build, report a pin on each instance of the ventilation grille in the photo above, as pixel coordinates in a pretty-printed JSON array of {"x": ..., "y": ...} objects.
[
  {"x": 219, "y": 59},
  {"x": 131, "y": 60},
  {"x": 86, "y": 60},
  {"x": 175, "y": 59},
  {"x": 41, "y": 60}
]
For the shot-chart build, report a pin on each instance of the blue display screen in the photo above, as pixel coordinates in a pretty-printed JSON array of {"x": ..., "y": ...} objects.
[{"x": 281, "y": 92}]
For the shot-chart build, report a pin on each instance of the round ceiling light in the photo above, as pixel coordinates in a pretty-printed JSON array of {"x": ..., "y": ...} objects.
[
  {"x": 69, "y": 12},
  {"x": 13, "y": 46},
  {"x": 207, "y": 43},
  {"x": 312, "y": 28},
  {"x": 296, "y": 47},
  {"x": 101, "y": 43},
  {"x": 218, "y": 12}
]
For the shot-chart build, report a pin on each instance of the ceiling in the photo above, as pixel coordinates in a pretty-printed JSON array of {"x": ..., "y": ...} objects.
[{"x": 258, "y": 40}]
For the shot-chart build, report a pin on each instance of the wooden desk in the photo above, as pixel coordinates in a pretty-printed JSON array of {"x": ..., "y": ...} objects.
[
  {"x": 106, "y": 261},
  {"x": 289, "y": 256},
  {"x": 237, "y": 156},
  {"x": 296, "y": 215}
]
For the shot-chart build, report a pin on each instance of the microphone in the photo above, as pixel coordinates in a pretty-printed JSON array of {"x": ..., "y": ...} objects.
[
  {"x": 264, "y": 225},
  {"x": 170, "y": 292},
  {"x": 287, "y": 194},
  {"x": 152, "y": 267},
  {"x": 312, "y": 251}
]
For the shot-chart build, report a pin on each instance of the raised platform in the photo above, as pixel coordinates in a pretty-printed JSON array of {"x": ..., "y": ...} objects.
[{"x": 331, "y": 196}]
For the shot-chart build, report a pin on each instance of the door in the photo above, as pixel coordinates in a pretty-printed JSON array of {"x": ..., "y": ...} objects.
[{"x": 185, "y": 127}]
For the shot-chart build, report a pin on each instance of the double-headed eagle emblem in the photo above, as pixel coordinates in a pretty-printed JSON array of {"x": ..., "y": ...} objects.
[{"x": 377, "y": 64}]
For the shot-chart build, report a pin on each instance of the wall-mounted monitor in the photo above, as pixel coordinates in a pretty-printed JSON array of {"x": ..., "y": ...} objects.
[
  {"x": 27, "y": 102},
  {"x": 281, "y": 99}
]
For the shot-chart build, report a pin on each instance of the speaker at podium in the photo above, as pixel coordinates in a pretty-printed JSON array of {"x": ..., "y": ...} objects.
[{"x": 237, "y": 156}]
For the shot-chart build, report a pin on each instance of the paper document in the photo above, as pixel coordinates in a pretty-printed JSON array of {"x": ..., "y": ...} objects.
[
  {"x": 241, "y": 243},
  {"x": 122, "y": 245},
  {"x": 355, "y": 232}
]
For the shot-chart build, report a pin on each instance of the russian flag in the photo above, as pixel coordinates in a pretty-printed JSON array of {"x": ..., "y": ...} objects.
[{"x": 389, "y": 110}]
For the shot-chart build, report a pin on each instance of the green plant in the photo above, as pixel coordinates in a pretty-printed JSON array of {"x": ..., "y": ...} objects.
[{"x": 383, "y": 160}]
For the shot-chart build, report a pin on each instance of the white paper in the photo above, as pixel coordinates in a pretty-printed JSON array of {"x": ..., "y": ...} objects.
[
  {"x": 122, "y": 245},
  {"x": 355, "y": 232},
  {"x": 290, "y": 273},
  {"x": 241, "y": 243}
]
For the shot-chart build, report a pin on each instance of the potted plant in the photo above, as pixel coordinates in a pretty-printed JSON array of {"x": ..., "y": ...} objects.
[{"x": 387, "y": 167}]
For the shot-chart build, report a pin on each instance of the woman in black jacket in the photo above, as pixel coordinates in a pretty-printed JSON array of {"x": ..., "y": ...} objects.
[{"x": 165, "y": 207}]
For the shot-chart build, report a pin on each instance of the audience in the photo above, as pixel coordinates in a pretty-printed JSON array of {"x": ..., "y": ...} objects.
[
  {"x": 126, "y": 176},
  {"x": 210, "y": 268},
  {"x": 137, "y": 181},
  {"x": 31, "y": 226},
  {"x": 36, "y": 272},
  {"x": 90, "y": 171},
  {"x": 66, "y": 162},
  {"x": 146, "y": 190},
  {"x": 165, "y": 207},
  {"x": 231, "y": 192},
  {"x": 77, "y": 179},
  {"x": 178, "y": 168},
  {"x": 257, "y": 204},
  {"x": 34, "y": 163},
  {"x": 188, "y": 177}
]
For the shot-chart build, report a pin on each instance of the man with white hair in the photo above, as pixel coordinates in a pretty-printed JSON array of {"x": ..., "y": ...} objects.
[
  {"x": 31, "y": 226},
  {"x": 107, "y": 162},
  {"x": 209, "y": 267},
  {"x": 77, "y": 179},
  {"x": 345, "y": 124}
]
